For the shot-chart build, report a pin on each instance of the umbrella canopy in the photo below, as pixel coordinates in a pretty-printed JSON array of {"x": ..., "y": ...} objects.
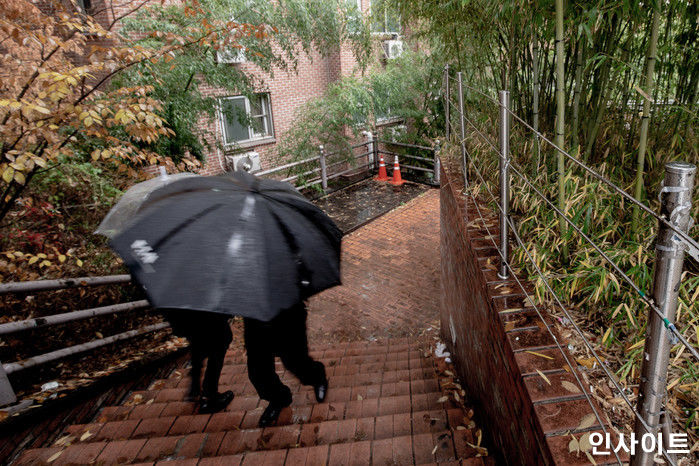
[
  {"x": 235, "y": 244},
  {"x": 130, "y": 202}
]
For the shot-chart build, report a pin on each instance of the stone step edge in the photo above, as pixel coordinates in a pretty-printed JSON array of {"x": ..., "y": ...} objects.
[
  {"x": 246, "y": 389},
  {"x": 132, "y": 451},
  {"x": 211, "y": 424},
  {"x": 156, "y": 410}
]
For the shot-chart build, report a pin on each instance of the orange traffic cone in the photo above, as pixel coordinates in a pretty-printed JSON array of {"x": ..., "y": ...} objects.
[
  {"x": 397, "y": 179},
  {"x": 383, "y": 176}
]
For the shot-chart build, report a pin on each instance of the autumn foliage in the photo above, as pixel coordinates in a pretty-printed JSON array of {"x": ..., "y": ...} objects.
[{"x": 54, "y": 93}]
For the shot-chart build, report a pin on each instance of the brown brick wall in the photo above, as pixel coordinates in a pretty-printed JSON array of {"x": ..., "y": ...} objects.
[{"x": 501, "y": 346}]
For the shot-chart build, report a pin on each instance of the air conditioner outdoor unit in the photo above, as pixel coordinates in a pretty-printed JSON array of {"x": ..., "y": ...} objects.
[
  {"x": 393, "y": 48},
  {"x": 247, "y": 161},
  {"x": 231, "y": 56}
]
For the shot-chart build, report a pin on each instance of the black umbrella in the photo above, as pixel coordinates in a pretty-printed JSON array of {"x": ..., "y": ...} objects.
[{"x": 235, "y": 244}]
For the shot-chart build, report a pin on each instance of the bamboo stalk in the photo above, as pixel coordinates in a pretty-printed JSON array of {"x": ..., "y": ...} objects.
[
  {"x": 645, "y": 119},
  {"x": 560, "y": 121}
]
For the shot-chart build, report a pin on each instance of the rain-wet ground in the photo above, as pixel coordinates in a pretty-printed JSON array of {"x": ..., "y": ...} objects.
[{"x": 357, "y": 204}]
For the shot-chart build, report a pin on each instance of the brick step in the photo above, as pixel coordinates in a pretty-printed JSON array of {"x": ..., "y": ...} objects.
[
  {"x": 363, "y": 386},
  {"x": 242, "y": 448},
  {"x": 340, "y": 401},
  {"x": 404, "y": 355},
  {"x": 306, "y": 433},
  {"x": 234, "y": 374}
]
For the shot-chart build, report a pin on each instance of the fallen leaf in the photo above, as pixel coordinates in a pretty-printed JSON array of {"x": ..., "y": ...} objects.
[
  {"x": 443, "y": 399},
  {"x": 543, "y": 376},
  {"x": 590, "y": 457},
  {"x": 460, "y": 428},
  {"x": 434, "y": 450},
  {"x": 85, "y": 436},
  {"x": 509, "y": 326},
  {"x": 571, "y": 387},
  {"x": 54, "y": 457},
  {"x": 359, "y": 397},
  {"x": 585, "y": 444},
  {"x": 63, "y": 440},
  {"x": 587, "y": 422},
  {"x": 539, "y": 354},
  {"x": 574, "y": 445}
]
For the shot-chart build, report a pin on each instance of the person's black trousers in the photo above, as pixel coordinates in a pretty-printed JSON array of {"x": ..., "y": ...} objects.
[
  {"x": 209, "y": 335},
  {"x": 283, "y": 336}
]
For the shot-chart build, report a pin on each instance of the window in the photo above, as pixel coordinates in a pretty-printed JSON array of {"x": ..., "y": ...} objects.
[
  {"x": 244, "y": 120},
  {"x": 385, "y": 20}
]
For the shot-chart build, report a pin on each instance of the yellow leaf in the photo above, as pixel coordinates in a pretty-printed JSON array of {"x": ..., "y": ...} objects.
[
  {"x": 539, "y": 354},
  {"x": 8, "y": 174},
  {"x": 19, "y": 177},
  {"x": 61, "y": 258},
  {"x": 33, "y": 260},
  {"x": 543, "y": 376},
  {"x": 79, "y": 262},
  {"x": 571, "y": 387},
  {"x": 54, "y": 457},
  {"x": 606, "y": 334},
  {"x": 85, "y": 436},
  {"x": 44, "y": 263}
]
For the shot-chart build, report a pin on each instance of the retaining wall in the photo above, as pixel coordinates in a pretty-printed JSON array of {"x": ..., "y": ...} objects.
[{"x": 501, "y": 347}]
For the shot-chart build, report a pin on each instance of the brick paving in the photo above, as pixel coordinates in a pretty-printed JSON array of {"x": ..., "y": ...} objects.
[
  {"x": 386, "y": 403},
  {"x": 390, "y": 273}
]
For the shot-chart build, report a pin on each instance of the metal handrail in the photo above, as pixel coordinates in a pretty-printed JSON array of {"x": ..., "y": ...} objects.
[
  {"x": 7, "y": 394},
  {"x": 81, "y": 348},
  {"x": 40, "y": 322},
  {"x": 62, "y": 284},
  {"x": 405, "y": 144}
]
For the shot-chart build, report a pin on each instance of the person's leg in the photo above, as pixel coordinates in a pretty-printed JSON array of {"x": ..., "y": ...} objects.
[
  {"x": 195, "y": 372},
  {"x": 294, "y": 347},
  {"x": 219, "y": 340},
  {"x": 214, "y": 332},
  {"x": 259, "y": 345}
]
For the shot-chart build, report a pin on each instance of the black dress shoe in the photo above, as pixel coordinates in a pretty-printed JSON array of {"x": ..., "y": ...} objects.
[
  {"x": 216, "y": 403},
  {"x": 271, "y": 414},
  {"x": 321, "y": 390}
]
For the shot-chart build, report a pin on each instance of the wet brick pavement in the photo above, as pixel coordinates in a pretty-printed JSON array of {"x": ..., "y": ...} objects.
[{"x": 390, "y": 270}]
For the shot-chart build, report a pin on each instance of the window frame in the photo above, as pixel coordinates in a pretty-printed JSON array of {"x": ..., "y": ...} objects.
[
  {"x": 385, "y": 21},
  {"x": 254, "y": 138}
]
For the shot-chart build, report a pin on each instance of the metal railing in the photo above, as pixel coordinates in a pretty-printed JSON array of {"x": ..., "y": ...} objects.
[
  {"x": 322, "y": 171},
  {"x": 672, "y": 241},
  {"x": 7, "y": 393}
]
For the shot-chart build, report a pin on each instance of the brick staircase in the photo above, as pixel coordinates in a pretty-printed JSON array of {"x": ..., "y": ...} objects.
[{"x": 386, "y": 405}]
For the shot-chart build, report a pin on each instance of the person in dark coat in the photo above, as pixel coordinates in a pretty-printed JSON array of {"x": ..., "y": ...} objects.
[
  {"x": 209, "y": 335},
  {"x": 284, "y": 336}
]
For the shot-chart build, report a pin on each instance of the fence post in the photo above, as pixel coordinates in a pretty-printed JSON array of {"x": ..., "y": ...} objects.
[
  {"x": 464, "y": 163},
  {"x": 375, "y": 147},
  {"x": 368, "y": 136},
  {"x": 323, "y": 168},
  {"x": 675, "y": 206},
  {"x": 7, "y": 394},
  {"x": 447, "y": 103},
  {"x": 504, "y": 181},
  {"x": 436, "y": 167}
]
